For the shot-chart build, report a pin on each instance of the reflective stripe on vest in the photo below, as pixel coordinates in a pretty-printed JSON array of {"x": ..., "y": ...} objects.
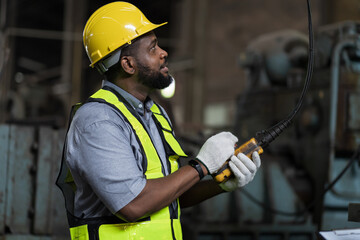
[
  {"x": 169, "y": 137},
  {"x": 160, "y": 225}
]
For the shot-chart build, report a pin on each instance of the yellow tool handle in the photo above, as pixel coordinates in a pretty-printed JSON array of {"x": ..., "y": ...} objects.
[{"x": 247, "y": 148}]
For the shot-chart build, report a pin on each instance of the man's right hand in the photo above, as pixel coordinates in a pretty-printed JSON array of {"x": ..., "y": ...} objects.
[{"x": 216, "y": 150}]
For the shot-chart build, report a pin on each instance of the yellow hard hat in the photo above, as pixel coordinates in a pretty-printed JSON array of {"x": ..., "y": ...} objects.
[{"x": 110, "y": 27}]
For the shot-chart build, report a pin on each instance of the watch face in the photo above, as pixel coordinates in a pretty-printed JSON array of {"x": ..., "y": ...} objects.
[{"x": 193, "y": 163}]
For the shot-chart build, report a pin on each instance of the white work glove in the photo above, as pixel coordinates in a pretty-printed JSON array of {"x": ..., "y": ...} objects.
[
  {"x": 216, "y": 150},
  {"x": 243, "y": 169}
]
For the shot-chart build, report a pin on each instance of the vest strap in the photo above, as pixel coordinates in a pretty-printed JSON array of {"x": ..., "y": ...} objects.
[{"x": 167, "y": 131}]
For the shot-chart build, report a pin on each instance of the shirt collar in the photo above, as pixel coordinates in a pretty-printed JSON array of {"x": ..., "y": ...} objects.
[{"x": 134, "y": 102}]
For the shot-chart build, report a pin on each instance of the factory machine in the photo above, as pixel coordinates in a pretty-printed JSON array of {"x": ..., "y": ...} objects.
[
  {"x": 310, "y": 174},
  {"x": 324, "y": 136}
]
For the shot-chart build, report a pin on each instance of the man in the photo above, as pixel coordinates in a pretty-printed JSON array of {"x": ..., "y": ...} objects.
[{"x": 120, "y": 174}]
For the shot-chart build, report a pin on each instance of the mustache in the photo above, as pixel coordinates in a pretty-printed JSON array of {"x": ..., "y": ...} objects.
[{"x": 165, "y": 64}]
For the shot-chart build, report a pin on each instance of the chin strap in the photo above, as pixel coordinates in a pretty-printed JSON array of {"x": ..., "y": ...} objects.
[{"x": 108, "y": 62}]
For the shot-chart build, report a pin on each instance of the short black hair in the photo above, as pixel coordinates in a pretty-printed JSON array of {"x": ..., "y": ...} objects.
[{"x": 116, "y": 71}]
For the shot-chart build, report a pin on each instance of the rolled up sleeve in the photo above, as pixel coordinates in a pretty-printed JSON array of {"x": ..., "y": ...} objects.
[{"x": 105, "y": 162}]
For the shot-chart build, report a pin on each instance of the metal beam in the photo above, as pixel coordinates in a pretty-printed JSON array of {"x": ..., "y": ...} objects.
[
  {"x": 72, "y": 50},
  {"x": 6, "y": 54},
  {"x": 43, "y": 34},
  {"x": 201, "y": 8}
]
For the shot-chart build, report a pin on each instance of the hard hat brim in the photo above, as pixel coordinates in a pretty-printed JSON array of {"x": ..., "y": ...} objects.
[{"x": 140, "y": 32}]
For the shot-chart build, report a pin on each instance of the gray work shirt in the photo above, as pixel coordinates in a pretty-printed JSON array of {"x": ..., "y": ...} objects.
[{"x": 105, "y": 158}]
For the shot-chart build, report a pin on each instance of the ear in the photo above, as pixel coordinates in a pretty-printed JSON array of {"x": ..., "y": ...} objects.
[{"x": 128, "y": 63}]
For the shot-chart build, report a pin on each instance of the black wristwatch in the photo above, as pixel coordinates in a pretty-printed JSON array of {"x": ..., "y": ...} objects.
[{"x": 197, "y": 167}]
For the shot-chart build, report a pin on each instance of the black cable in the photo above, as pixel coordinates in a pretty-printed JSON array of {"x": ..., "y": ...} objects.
[
  {"x": 355, "y": 156},
  {"x": 265, "y": 137}
]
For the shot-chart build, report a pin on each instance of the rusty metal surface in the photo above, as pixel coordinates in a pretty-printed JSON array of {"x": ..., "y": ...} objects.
[
  {"x": 19, "y": 184},
  {"x": 31, "y": 206},
  {"x": 4, "y": 141},
  {"x": 45, "y": 179},
  {"x": 59, "y": 220}
]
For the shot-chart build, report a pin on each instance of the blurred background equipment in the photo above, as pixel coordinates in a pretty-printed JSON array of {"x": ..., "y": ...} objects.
[
  {"x": 238, "y": 67},
  {"x": 326, "y": 133},
  {"x": 264, "y": 137}
]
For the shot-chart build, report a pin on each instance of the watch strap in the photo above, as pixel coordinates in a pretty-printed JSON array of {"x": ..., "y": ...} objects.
[{"x": 197, "y": 167}]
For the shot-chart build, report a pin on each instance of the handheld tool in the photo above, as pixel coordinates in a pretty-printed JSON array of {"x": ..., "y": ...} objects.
[{"x": 265, "y": 137}]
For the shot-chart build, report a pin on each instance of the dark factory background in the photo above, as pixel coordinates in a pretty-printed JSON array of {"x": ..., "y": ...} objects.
[{"x": 239, "y": 65}]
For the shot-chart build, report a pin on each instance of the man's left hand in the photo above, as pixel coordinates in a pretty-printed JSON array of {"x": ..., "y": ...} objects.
[{"x": 244, "y": 170}]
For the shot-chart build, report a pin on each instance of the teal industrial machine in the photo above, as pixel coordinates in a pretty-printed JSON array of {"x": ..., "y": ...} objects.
[{"x": 318, "y": 156}]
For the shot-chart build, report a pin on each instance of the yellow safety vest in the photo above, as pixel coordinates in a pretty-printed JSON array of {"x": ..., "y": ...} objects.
[{"x": 159, "y": 225}]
